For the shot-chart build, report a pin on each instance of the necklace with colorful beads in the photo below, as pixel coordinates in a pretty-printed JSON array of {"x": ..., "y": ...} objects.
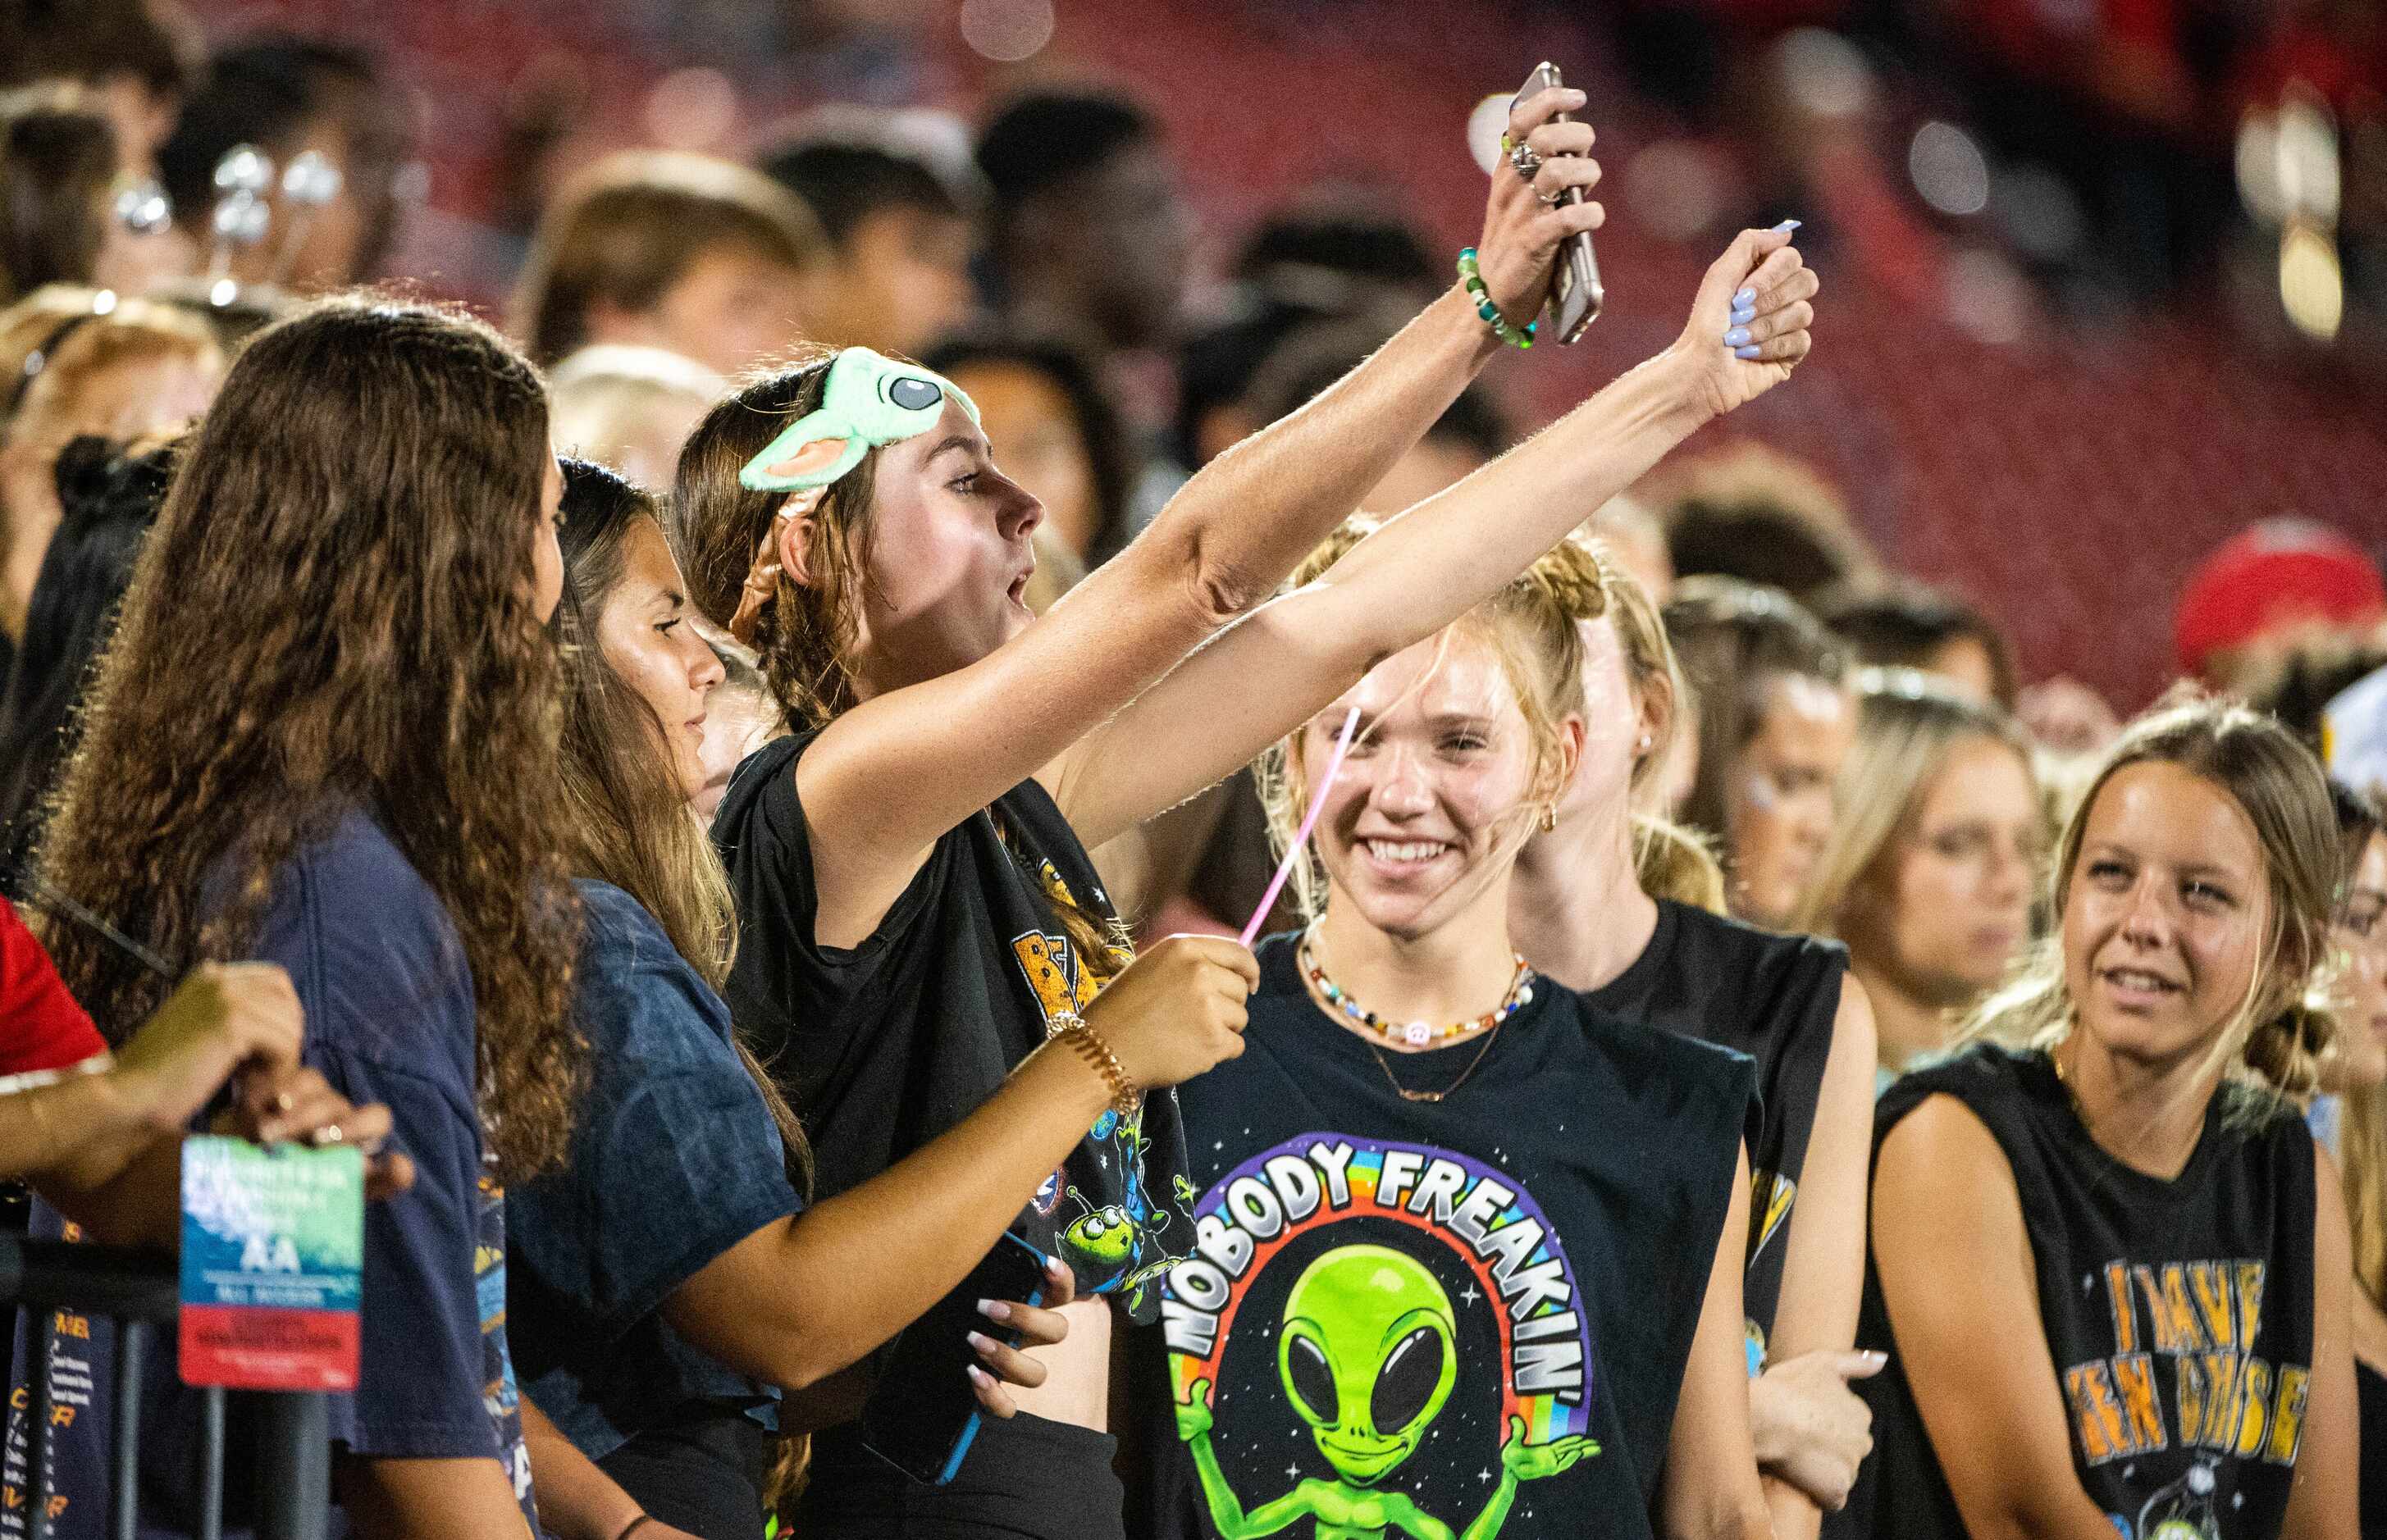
[{"x": 1416, "y": 1034}]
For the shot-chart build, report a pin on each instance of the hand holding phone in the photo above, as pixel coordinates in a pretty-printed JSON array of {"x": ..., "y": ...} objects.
[{"x": 1576, "y": 292}]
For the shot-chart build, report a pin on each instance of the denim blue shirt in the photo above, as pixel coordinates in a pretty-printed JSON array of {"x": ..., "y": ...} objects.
[{"x": 675, "y": 1159}]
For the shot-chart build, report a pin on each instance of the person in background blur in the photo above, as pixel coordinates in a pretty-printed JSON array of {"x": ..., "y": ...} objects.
[
  {"x": 1061, "y": 437},
  {"x": 662, "y": 249},
  {"x": 1896, "y": 623},
  {"x": 899, "y": 226},
  {"x": 61, "y": 176},
  {"x": 109, "y": 496},
  {"x": 1753, "y": 514},
  {"x": 1776, "y": 718},
  {"x": 1320, "y": 259},
  {"x": 115, "y": 369},
  {"x": 1635, "y": 537},
  {"x": 1932, "y": 865},
  {"x": 138, "y": 60},
  {"x": 630, "y": 408},
  {"x": 2350, "y": 1117},
  {"x": 2271, "y": 578},
  {"x": 286, "y": 96},
  {"x": 1089, "y": 237}
]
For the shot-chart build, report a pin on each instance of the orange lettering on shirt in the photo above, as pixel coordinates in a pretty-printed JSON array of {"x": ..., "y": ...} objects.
[
  {"x": 2103, "y": 1437},
  {"x": 2210, "y": 1282},
  {"x": 2125, "y": 1314},
  {"x": 2288, "y": 1415},
  {"x": 2134, "y": 1382},
  {"x": 2254, "y": 1390}
]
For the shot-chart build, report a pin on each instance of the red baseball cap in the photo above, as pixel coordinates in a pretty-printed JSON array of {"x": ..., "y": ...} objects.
[{"x": 2271, "y": 573}]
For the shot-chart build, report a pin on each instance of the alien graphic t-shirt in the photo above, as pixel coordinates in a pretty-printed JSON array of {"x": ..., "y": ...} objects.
[
  {"x": 1433, "y": 1318},
  {"x": 2180, "y": 1312}
]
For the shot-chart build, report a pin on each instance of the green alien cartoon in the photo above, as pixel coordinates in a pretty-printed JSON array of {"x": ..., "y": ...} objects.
[{"x": 1368, "y": 1357}]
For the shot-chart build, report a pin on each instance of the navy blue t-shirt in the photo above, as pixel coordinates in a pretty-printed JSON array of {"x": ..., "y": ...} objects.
[
  {"x": 388, "y": 992},
  {"x": 675, "y": 1159}
]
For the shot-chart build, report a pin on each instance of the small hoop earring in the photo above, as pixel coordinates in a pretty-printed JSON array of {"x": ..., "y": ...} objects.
[{"x": 1550, "y": 817}]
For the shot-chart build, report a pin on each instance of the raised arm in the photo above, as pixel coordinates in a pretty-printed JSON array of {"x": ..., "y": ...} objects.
[
  {"x": 1434, "y": 563},
  {"x": 1956, "y": 1274},
  {"x": 896, "y": 772}
]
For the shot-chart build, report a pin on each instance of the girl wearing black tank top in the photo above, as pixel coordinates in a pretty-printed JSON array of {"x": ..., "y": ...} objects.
[
  {"x": 1582, "y": 912},
  {"x": 916, "y": 909},
  {"x": 1417, "y": 1116},
  {"x": 2112, "y": 1268}
]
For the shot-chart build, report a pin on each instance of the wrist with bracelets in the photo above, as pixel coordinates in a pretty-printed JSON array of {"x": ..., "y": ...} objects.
[
  {"x": 1088, "y": 1045},
  {"x": 1470, "y": 275}
]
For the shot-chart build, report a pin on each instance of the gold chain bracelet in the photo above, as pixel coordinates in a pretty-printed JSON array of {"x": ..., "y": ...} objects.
[{"x": 1088, "y": 1045}]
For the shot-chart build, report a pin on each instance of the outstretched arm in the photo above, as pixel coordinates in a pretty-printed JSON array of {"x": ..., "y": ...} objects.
[
  {"x": 1434, "y": 563},
  {"x": 889, "y": 777},
  {"x": 1226, "y": 1513}
]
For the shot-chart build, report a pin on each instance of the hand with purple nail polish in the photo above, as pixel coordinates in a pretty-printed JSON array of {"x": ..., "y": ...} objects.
[{"x": 1749, "y": 326}]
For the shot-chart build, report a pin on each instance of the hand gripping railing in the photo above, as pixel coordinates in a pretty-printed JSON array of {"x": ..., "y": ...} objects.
[{"x": 138, "y": 1290}]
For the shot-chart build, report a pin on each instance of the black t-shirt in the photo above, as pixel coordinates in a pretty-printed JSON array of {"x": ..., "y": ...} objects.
[
  {"x": 2180, "y": 1312},
  {"x": 885, "y": 1045},
  {"x": 1773, "y": 998},
  {"x": 1388, "y": 1297}
]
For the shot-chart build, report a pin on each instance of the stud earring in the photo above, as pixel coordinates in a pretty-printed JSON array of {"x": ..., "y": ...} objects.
[{"x": 1645, "y": 743}]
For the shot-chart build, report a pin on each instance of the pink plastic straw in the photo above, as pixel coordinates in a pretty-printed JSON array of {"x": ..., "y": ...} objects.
[{"x": 1308, "y": 822}]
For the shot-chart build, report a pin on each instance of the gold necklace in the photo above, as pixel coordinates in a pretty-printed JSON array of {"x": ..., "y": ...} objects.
[{"x": 1407, "y": 1095}]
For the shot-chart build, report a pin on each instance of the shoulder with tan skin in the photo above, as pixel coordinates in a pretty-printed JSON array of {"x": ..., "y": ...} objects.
[
  {"x": 1957, "y": 1275},
  {"x": 1710, "y": 1489}
]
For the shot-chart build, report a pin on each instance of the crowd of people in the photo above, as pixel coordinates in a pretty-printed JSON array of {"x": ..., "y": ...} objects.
[{"x": 750, "y": 793}]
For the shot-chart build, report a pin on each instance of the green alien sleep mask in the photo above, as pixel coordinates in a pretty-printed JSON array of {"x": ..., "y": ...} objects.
[{"x": 870, "y": 401}]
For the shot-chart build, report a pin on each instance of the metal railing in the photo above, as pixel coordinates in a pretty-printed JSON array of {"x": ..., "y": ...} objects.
[{"x": 139, "y": 1292}]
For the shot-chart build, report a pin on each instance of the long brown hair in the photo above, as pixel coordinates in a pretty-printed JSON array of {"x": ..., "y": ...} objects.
[
  {"x": 805, "y": 634},
  {"x": 2362, "y": 1121},
  {"x": 1733, "y": 638},
  {"x": 334, "y": 611},
  {"x": 626, "y": 821}
]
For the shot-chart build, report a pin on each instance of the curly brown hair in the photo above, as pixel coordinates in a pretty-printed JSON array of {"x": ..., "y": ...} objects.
[{"x": 334, "y": 610}]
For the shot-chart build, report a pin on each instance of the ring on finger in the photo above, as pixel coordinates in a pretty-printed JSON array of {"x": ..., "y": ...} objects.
[
  {"x": 329, "y": 1133},
  {"x": 1551, "y": 199},
  {"x": 1525, "y": 161}
]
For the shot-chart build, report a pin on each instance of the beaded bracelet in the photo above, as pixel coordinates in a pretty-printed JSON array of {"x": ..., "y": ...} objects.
[
  {"x": 1472, "y": 277},
  {"x": 1090, "y": 1046}
]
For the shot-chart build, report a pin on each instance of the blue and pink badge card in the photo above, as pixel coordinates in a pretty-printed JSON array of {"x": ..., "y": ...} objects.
[{"x": 272, "y": 1264}]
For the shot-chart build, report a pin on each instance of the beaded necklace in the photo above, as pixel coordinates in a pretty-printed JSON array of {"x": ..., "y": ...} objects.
[{"x": 1417, "y": 1034}]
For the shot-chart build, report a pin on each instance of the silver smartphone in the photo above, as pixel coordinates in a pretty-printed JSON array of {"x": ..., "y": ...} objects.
[{"x": 1575, "y": 294}]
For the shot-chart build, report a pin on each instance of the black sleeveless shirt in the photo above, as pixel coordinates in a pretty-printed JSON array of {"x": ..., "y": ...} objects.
[
  {"x": 1539, "y": 1239},
  {"x": 1773, "y": 998},
  {"x": 2180, "y": 1312}
]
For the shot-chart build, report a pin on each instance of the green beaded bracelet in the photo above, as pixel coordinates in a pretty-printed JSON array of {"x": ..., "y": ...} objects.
[{"x": 1472, "y": 277}]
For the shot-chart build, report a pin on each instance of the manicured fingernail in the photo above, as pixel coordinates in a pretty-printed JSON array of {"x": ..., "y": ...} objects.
[
  {"x": 1877, "y": 1359},
  {"x": 1743, "y": 316},
  {"x": 1787, "y": 225},
  {"x": 1748, "y": 352},
  {"x": 1056, "y": 1269},
  {"x": 984, "y": 1343},
  {"x": 1744, "y": 299},
  {"x": 1737, "y": 337},
  {"x": 978, "y": 1377},
  {"x": 994, "y": 1309}
]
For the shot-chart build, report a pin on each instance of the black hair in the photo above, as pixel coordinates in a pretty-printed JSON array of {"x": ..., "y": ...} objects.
[
  {"x": 263, "y": 91},
  {"x": 87, "y": 40},
  {"x": 1307, "y": 362},
  {"x": 1047, "y": 137},
  {"x": 1109, "y": 451},
  {"x": 108, "y": 500},
  {"x": 2297, "y": 685},
  {"x": 1351, "y": 241},
  {"x": 1901, "y": 625},
  {"x": 844, "y": 180}
]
